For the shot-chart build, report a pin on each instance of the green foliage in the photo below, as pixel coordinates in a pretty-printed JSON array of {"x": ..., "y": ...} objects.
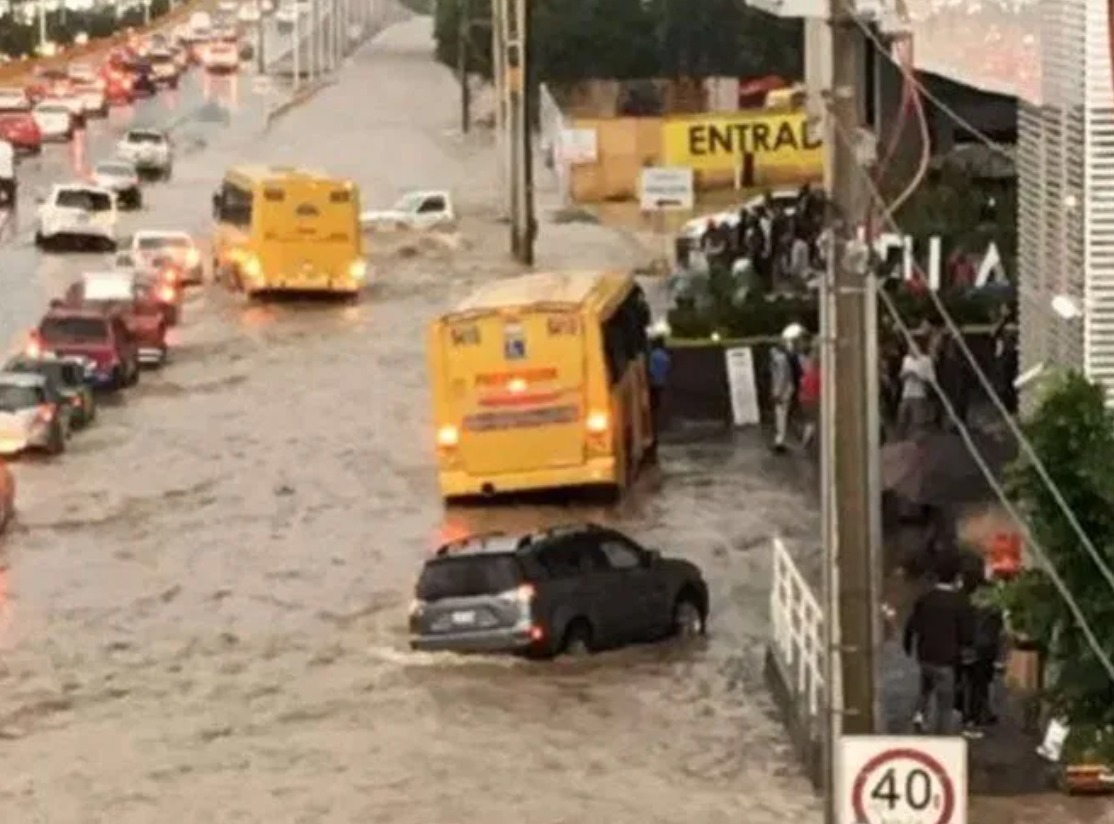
[
  {"x": 1072, "y": 432},
  {"x": 18, "y": 40},
  {"x": 573, "y": 40},
  {"x": 763, "y": 316},
  {"x": 448, "y": 37}
]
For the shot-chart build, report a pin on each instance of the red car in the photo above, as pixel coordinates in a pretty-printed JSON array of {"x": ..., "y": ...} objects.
[
  {"x": 21, "y": 130},
  {"x": 121, "y": 294},
  {"x": 100, "y": 339},
  {"x": 118, "y": 88},
  {"x": 48, "y": 83}
]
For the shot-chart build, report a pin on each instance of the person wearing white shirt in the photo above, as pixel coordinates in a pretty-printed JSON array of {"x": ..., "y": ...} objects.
[{"x": 918, "y": 373}]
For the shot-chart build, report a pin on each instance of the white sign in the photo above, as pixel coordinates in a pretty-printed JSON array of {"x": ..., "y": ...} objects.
[
  {"x": 990, "y": 264},
  {"x": 578, "y": 146},
  {"x": 744, "y": 390},
  {"x": 901, "y": 780},
  {"x": 666, "y": 187}
]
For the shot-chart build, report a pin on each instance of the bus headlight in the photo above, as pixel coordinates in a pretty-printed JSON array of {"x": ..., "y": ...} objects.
[
  {"x": 596, "y": 423},
  {"x": 252, "y": 268},
  {"x": 357, "y": 270}
]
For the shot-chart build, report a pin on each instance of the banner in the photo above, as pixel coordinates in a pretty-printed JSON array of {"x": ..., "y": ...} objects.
[{"x": 715, "y": 142}]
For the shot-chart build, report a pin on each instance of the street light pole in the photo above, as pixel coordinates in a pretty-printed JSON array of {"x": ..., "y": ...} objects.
[
  {"x": 297, "y": 48},
  {"x": 464, "y": 7},
  {"x": 260, "y": 36}
]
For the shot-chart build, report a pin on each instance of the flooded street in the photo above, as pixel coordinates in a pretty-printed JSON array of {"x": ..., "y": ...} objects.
[{"x": 205, "y": 599}]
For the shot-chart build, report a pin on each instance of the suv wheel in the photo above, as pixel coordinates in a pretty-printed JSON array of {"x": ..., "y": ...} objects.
[
  {"x": 578, "y": 639},
  {"x": 688, "y": 617},
  {"x": 57, "y": 443}
]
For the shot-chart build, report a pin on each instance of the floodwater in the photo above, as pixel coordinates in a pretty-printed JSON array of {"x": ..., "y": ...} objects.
[{"x": 203, "y": 603}]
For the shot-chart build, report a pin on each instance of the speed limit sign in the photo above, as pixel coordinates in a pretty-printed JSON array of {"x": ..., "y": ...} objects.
[{"x": 902, "y": 780}]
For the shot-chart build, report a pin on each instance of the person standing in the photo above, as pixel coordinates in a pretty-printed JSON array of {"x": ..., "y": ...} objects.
[
  {"x": 810, "y": 396},
  {"x": 783, "y": 381},
  {"x": 658, "y": 368},
  {"x": 915, "y": 411},
  {"x": 938, "y": 632},
  {"x": 979, "y": 664}
]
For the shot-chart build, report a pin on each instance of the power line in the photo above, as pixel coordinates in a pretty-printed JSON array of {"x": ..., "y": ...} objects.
[
  {"x": 992, "y": 481},
  {"x": 955, "y": 117}
]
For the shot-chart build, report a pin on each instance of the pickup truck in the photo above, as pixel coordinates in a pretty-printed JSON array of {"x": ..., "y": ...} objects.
[{"x": 419, "y": 210}]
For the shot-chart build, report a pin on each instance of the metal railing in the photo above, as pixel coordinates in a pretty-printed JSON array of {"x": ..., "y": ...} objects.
[{"x": 797, "y": 621}]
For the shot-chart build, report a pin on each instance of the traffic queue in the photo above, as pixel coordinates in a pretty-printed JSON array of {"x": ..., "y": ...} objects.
[{"x": 108, "y": 324}]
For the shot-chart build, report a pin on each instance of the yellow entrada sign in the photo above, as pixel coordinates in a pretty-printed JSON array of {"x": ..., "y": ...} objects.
[{"x": 721, "y": 142}]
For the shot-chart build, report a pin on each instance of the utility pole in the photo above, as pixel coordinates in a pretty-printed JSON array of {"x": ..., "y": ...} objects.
[
  {"x": 260, "y": 29},
  {"x": 851, "y": 623},
  {"x": 464, "y": 33},
  {"x": 499, "y": 76},
  {"x": 522, "y": 201}
]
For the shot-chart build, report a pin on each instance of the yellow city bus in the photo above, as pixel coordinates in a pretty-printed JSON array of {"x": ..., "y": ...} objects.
[
  {"x": 540, "y": 382},
  {"x": 285, "y": 229}
]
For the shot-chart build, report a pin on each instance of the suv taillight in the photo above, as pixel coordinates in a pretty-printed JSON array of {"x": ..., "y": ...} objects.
[{"x": 46, "y": 413}]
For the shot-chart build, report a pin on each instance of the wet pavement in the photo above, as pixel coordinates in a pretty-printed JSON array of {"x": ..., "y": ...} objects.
[{"x": 205, "y": 598}]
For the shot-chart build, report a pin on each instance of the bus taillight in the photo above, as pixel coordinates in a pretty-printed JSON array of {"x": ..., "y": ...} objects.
[
  {"x": 597, "y": 423},
  {"x": 448, "y": 437}
]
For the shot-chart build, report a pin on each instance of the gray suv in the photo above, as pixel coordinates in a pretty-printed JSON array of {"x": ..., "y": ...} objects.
[{"x": 573, "y": 589}]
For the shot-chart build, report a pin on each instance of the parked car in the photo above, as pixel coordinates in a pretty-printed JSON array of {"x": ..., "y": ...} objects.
[
  {"x": 14, "y": 99},
  {"x": 120, "y": 177},
  {"x": 152, "y": 249},
  {"x": 69, "y": 375},
  {"x": 21, "y": 130},
  {"x": 94, "y": 102},
  {"x": 33, "y": 415},
  {"x": 118, "y": 293},
  {"x": 46, "y": 83},
  {"x": 82, "y": 72},
  {"x": 102, "y": 338},
  {"x": 72, "y": 102},
  {"x": 220, "y": 56},
  {"x": 78, "y": 212},
  {"x": 156, "y": 284},
  {"x": 164, "y": 68},
  {"x": 573, "y": 589}
]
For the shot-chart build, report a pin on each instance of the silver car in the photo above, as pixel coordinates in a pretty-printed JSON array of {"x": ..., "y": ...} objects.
[
  {"x": 33, "y": 415},
  {"x": 122, "y": 178}
]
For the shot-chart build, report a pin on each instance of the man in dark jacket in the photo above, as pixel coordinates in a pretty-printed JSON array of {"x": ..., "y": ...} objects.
[
  {"x": 976, "y": 674},
  {"x": 938, "y": 632}
]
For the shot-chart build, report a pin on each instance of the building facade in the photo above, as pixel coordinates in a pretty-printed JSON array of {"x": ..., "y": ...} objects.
[{"x": 1066, "y": 200}]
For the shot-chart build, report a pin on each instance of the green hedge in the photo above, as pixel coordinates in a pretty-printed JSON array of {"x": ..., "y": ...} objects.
[
  {"x": 763, "y": 316},
  {"x": 19, "y": 40}
]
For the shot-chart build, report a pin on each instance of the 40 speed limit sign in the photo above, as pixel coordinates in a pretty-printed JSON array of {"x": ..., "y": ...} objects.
[{"x": 901, "y": 780}]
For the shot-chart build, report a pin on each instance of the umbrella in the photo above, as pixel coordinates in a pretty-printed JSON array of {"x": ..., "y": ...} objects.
[{"x": 938, "y": 468}]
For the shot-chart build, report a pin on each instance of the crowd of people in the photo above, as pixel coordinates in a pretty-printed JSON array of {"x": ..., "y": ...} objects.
[{"x": 772, "y": 245}]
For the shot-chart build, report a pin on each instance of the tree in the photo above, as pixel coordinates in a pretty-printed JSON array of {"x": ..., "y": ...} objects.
[
  {"x": 573, "y": 40},
  {"x": 1072, "y": 432}
]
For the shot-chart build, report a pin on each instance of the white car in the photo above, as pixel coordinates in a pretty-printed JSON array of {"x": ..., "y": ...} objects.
[
  {"x": 249, "y": 12},
  {"x": 14, "y": 99},
  {"x": 149, "y": 150},
  {"x": 121, "y": 178},
  {"x": 54, "y": 120},
  {"x": 219, "y": 56},
  {"x": 92, "y": 97},
  {"x": 149, "y": 246},
  {"x": 785, "y": 198},
  {"x": 82, "y": 73},
  {"x": 414, "y": 210},
  {"x": 32, "y": 416},
  {"x": 80, "y": 212},
  {"x": 72, "y": 102}
]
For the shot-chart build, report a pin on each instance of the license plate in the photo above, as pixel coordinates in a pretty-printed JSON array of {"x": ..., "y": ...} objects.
[{"x": 464, "y": 617}]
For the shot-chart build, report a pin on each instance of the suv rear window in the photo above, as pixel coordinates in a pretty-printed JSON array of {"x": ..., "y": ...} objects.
[
  {"x": 13, "y": 398},
  {"x": 145, "y": 137},
  {"x": 468, "y": 575},
  {"x": 84, "y": 199},
  {"x": 75, "y": 329}
]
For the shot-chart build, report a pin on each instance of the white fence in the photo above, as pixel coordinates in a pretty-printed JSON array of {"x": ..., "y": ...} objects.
[
  {"x": 798, "y": 631},
  {"x": 554, "y": 125}
]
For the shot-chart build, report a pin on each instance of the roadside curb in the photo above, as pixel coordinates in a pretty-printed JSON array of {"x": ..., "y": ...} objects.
[{"x": 299, "y": 98}]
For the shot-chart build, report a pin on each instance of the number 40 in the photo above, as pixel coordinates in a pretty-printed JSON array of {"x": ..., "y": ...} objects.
[{"x": 916, "y": 794}]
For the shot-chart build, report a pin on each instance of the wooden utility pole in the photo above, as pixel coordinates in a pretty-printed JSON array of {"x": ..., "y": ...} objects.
[
  {"x": 515, "y": 21},
  {"x": 499, "y": 76},
  {"x": 852, "y": 595},
  {"x": 464, "y": 33}
]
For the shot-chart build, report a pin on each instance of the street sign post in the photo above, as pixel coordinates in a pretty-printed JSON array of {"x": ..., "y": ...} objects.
[
  {"x": 901, "y": 780},
  {"x": 663, "y": 189}
]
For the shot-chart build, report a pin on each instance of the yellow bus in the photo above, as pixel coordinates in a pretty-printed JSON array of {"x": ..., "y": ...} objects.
[
  {"x": 540, "y": 382},
  {"x": 285, "y": 229}
]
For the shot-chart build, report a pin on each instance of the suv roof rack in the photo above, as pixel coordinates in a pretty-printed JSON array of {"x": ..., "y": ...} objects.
[{"x": 460, "y": 543}]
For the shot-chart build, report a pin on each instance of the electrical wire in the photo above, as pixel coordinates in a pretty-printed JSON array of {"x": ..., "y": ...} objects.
[
  {"x": 988, "y": 387},
  {"x": 910, "y": 82},
  {"x": 981, "y": 463},
  {"x": 954, "y": 116}
]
